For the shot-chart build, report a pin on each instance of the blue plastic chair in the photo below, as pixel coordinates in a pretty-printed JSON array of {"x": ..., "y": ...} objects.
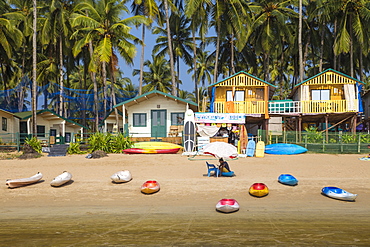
[{"x": 212, "y": 168}]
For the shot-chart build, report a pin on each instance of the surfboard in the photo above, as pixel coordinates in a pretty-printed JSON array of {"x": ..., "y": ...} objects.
[
  {"x": 243, "y": 138},
  {"x": 189, "y": 131},
  {"x": 260, "y": 149},
  {"x": 251, "y": 146}
]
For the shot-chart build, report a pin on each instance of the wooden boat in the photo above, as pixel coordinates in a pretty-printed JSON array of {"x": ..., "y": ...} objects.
[
  {"x": 61, "y": 179},
  {"x": 258, "y": 190},
  {"x": 121, "y": 176},
  {"x": 284, "y": 149},
  {"x": 150, "y": 151},
  {"x": 287, "y": 179},
  {"x": 227, "y": 205},
  {"x": 14, "y": 183},
  {"x": 338, "y": 193},
  {"x": 150, "y": 187}
]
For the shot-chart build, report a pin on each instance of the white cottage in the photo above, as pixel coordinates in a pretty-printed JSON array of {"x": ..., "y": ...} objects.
[
  {"x": 153, "y": 114},
  {"x": 49, "y": 124},
  {"x": 9, "y": 127}
]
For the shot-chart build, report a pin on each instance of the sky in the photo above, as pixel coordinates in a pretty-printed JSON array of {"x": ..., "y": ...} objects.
[{"x": 187, "y": 82}]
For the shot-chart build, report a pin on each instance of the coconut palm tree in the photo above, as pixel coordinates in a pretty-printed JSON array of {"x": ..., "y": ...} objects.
[
  {"x": 150, "y": 9},
  {"x": 107, "y": 32},
  {"x": 181, "y": 41},
  {"x": 158, "y": 77}
]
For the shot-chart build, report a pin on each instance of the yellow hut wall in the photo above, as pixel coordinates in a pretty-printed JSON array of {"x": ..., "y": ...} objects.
[
  {"x": 251, "y": 93},
  {"x": 336, "y": 91}
]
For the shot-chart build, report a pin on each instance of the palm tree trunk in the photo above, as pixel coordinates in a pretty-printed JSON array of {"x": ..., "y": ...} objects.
[
  {"x": 170, "y": 50},
  {"x": 217, "y": 51},
  {"x": 104, "y": 75},
  {"x": 34, "y": 75},
  {"x": 351, "y": 45},
  {"x": 321, "y": 47},
  {"x": 61, "y": 77},
  {"x": 232, "y": 54},
  {"x": 195, "y": 67},
  {"x": 93, "y": 78},
  {"x": 300, "y": 47},
  {"x": 142, "y": 60}
]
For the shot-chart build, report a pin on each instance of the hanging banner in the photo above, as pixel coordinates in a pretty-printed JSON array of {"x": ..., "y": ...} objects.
[{"x": 209, "y": 117}]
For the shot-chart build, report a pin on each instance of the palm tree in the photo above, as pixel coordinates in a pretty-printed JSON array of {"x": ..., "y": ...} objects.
[
  {"x": 56, "y": 31},
  {"x": 150, "y": 9},
  {"x": 181, "y": 41},
  {"x": 197, "y": 11},
  {"x": 159, "y": 75},
  {"x": 354, "y": 16},
  {"x": 166, "y": 4},
  {"x": 270, "y": 28},
  {"x": 104, "y": 28},
  {"x": 34, "y": 75}
]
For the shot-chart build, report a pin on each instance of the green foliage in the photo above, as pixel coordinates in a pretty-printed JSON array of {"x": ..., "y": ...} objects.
[
  {"x": 109, "y": 143},
  {"x": 74, "y": 148},
  {"x": 364, "y": 138},
  {"x": 313, "y": 136},
  {"x": 348, "y": 138},
  {"x": 34, "y": 143}
]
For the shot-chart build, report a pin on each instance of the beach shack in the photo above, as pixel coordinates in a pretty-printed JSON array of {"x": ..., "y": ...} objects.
[
  {"x": 329, "y": 100},
  {"x": 151, "y": 115},
  {"x": 51, "y": 127},
  {"x": 9, "y": 127},
  {"x": 243, "y": 93}
]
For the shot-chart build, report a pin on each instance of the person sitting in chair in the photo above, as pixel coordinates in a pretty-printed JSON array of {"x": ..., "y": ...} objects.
[{"x": 223, "y": 164}]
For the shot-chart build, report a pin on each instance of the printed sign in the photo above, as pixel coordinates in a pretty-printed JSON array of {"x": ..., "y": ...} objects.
[{"x": 209, "y": 117}]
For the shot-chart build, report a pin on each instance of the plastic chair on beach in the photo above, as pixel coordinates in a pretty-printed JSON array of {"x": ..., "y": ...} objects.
[{"x": 212, "y": 168}]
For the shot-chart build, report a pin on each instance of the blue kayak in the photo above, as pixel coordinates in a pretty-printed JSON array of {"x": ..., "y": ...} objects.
[
  {"x": 338, "y": 193},
  {"x": 287, "y": 179},
  {"x": 284, "y": 149}
]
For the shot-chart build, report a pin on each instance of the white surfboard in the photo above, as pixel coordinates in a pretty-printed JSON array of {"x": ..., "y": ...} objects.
[{"x": 189, "y": 131}]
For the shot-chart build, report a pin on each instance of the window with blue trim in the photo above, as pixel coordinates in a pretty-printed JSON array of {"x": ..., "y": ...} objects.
[
  {"x": 139, "y": 119},
  {"x": 177, "y": 118}
]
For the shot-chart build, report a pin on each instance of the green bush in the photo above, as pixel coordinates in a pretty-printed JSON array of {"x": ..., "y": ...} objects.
[
  {"x": 34, "y": 143},
  {"x": 74, "y": 148},
  {"x": 109, "y": 143}
]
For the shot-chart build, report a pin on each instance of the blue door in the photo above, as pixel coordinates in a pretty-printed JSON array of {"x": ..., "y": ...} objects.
[{"x": 158, "y": 122}]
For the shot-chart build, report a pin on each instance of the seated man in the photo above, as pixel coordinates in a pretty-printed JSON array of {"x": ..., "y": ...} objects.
[{"x": 223, "y": 164}]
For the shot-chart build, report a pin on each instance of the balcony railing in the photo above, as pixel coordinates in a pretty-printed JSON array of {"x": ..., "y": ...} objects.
[
  {"x": 249, "y": 107},
  {"x": 282, "y": 107},
  {"x": 313, "y": 106}
]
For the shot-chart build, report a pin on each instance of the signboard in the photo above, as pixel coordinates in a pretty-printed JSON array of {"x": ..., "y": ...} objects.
[{"x": 209, "y": 117}]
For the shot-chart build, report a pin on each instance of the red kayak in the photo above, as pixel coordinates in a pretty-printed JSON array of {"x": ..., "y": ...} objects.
[
  {"x": 151, "y": 151},
  {"x": 150, "y": 187},
  {"x": 227, "y": 205}
]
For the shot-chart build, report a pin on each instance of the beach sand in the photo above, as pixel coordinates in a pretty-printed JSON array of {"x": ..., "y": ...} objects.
[{"x": 93, "y": 211}]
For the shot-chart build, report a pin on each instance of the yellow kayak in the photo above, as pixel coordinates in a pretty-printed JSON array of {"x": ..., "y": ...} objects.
[
  {"x": 156, "y": 145},
  {"x": 258, "y": 190}
]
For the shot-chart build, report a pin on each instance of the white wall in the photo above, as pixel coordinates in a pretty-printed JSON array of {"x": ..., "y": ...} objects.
[{"x": 151, "y": 104}]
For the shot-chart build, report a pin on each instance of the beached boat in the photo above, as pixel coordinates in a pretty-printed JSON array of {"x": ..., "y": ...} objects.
[
  {"x": 121, "y": 176},
  {"x": 338, "y": 193},
  {"x": 150, "y": 187},
  {"x": 284, "y": 149},
  {"x": 14, "y": 183},
  {"x": 61, "y": 179},
  {"x": 227, "y": 205},
  {"x": 153, "y": 148},
  {"x": 258, "y": 190},
  {"x": 150, "y": 151},
  {"x": 287, "y": 179}
]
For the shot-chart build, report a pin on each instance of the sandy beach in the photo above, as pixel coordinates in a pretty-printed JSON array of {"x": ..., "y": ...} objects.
[{"x": 93, "y": 211}]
